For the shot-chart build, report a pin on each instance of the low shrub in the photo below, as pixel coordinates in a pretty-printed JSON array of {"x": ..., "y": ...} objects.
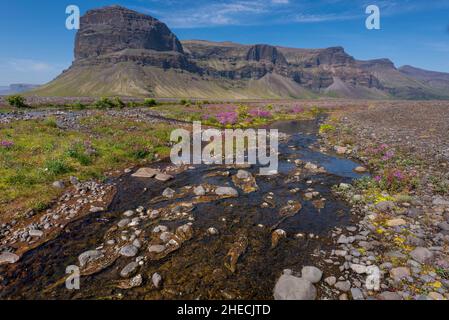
[
  {"x": 106, "y": 103},
  {"x": 150, "y": 102},
  {"x": 57, "y": 167},
  {"x": 78, "y": 105},
  {"x": 17, "y": 101}
]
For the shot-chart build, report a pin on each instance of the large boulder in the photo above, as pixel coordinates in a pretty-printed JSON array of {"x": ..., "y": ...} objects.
[{"x": 289, "y": 287}]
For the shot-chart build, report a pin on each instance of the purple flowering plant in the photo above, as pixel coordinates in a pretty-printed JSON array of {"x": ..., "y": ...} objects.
[{"x": 6, "y": 144}]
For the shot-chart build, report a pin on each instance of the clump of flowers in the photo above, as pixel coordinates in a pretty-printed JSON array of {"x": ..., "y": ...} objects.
[
  {"x": 381, "y": 155},
  {"x": 388, "y": 155},
  {"x": 297, "y": 109},
  {"x": 6, "y": 144},
  {"x": 395, "y": 180},
  {"x": 257, "y": 113},
  {"x": 382, "y": 151},
  {"x": 227, "y": 118}
]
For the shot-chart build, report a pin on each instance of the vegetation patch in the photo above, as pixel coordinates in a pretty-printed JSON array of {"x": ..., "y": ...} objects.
[{"x": 34, "y": 154}]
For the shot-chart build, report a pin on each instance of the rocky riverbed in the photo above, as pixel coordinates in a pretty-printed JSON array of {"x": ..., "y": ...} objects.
[
  {"x": 404, "y": 207},
  {"x": 325, "y": 227},
  {"x": 201, "y": 232}
]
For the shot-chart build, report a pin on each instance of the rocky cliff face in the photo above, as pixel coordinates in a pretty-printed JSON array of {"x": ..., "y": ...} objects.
[
  {"x": 115, "y": 38},
  {"x": 112, "y": 29},
  {"x": 263, "y": 52}
]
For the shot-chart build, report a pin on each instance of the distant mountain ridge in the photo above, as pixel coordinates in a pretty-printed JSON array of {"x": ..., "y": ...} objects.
[
  {"x": 122, "y": 52},
  {"x": 16, "y": 88}
]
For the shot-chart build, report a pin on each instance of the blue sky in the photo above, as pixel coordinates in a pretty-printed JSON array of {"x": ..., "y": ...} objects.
[{"x": 36, "y": 47}]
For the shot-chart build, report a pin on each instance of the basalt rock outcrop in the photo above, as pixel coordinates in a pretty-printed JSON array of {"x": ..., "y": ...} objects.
[
  {"x": 122, "y": 52},
  {"x": 113, "y": 29}
]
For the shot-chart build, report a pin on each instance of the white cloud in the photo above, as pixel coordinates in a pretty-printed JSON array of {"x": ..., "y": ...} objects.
[
  {"x": 202, "y": 13},
  {"x": 216, "y": 14},
  {"x": 312, "y": 18}
]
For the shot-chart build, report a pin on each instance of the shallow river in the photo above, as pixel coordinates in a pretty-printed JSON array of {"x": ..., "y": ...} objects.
[{"x": 196, "y": 270}]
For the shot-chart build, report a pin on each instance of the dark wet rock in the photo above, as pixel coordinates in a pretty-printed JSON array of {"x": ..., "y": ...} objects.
[
  {"x": 422, "y": 255},
  {"x": 237, "y": 249},
  {"x": 291, "y": 209},
  {"x": 129, "y": 251},
  {"x": 313, "y": 274},
  {"x": 129, "y": 269},
  {"x": 289, "y": 287},
  {"x": 185, "y": 232},
  {"x": 89, "y": 256},
  {"x": 245, "y": 181},
  {"x": 8, "y": 258},
  {"x": 276, "y": 236}
]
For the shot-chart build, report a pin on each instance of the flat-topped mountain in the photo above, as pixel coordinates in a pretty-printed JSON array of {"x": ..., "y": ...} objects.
[
  {"x": 114, "y": 29},
  {"x": 122, "y": 52}
]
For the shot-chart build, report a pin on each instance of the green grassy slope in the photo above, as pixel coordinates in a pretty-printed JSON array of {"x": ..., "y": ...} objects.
[{"x": 128, "y": 79}]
